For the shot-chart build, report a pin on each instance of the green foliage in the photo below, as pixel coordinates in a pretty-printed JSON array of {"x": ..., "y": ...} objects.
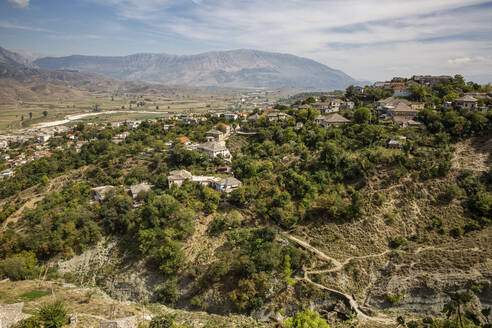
[
  {"x": 217, "y": 270},
  {"x": 306, "y": 319},
  {"x": 34, "y": 295},
  {"x": 394, "y": 298},
  {"x": 397, "y": 242},
  {"x": 287, "y": 271},
  {"x": 162, "y": 321},
  {"x": 53, "y": 315},
  {"x": 32, "y": 322},
  {"x": 168, "y": 292},
  {"x": 20, "y": 266},
  {"x": 250, "y": 293},
  {"x": 362, "y": 115}
]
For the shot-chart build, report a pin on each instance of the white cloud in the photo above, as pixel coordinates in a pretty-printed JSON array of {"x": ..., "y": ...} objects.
[
  {"x": 461, "y": 60},
  {"x": 8, "y": 25},
  {"x": 356, "y": 36},
  {"x": 20, "y": 3}
]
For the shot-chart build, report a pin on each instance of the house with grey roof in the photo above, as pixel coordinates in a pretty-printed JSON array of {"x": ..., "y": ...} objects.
[
  {"x": 253, "y": 118},
  {"x": 142, "y": 187},
  {"x": 277, "y": 116},
  {"x": 227, "y": 185},
  {"x": 214, "y": 149},
  {"x": 333, "y": 119},
  {"x": 466, "y": 102},
  {"x": 178, "y": 177}
]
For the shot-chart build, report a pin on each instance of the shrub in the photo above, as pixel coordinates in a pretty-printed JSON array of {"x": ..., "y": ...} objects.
[
  {"x": 196, "y": 301},
  {"x": 20, "y": 266},
  {"x": 397, "y": 242},
  {"x": 217, "y": 270},
  {"x": 456, "y": 232},
  {"x": 162, "y": 321},
  {"x": 305, "y": 319},
  {"x": 53, "y": 315},
  {"x": 394, "y": 299},
  {"x": 31, "y": 322},
  {"x": 428, "y": 321},
  {"x": 412, "y": 324},
  {"x": 168, "y": 292}
]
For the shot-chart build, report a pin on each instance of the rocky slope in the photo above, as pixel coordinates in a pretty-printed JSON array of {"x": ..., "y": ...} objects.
[{"x": 237, "y": 68}]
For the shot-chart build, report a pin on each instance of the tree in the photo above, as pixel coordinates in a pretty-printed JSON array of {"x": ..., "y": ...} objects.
[
  {"x": 287, "y": 271},
  {"x": 30, "y": 115},
  {"x": 168, "y": 292},
  {"x": 45, "y": 113},
  {"x": 362, "y": 115},
  {"x": 53, "y": 315},
  {"x": 458, "y": 302},
  {"x": 306, "y": 319}
]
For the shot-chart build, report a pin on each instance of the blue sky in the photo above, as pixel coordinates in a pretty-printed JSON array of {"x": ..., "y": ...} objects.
[{"x": 368, "y": 39}]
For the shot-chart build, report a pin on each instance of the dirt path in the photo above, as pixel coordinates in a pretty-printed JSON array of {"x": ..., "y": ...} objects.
[{"x": 338, "y": 266}]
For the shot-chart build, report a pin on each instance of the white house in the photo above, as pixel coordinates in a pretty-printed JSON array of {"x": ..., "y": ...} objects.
[
  {"x": 214, "y": 149},
  {"x": 100, "y": 193},
  {"x": 178, "y": 177},
  {"x": 400, "y": 91},
  {"x": 44, "y": 138},
  {"x": 227, "y": 185},
  {"x": 466, "y": 102}
]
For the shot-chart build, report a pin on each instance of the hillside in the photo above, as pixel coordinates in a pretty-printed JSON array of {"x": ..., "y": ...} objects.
[
  {"x": 15, "y": 59},
  {"x": 237, "y": 68},
  {"x": 334, "y": 219}
]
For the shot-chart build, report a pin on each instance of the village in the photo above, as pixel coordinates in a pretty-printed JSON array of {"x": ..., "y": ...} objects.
[{"x": 21, "y": 147}]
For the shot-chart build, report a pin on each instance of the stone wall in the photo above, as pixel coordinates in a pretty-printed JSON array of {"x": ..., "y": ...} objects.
[
  {"x": 130, "y": 322},
  {"x": 10, "y": 314}
]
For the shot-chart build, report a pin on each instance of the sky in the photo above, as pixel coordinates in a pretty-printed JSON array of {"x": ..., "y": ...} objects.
[{"x": 367, "y": 39}]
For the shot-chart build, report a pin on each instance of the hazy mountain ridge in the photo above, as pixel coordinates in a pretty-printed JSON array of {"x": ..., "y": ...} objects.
[
  {"x": 236, "y": 68},
  {"x": 15, "y": 59}
]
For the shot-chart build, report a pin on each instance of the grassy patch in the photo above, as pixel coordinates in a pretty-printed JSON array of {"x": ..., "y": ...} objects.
[{"x": 33, "y": 295}]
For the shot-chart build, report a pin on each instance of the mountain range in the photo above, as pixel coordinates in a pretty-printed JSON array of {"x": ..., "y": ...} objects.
[{"x": 233, "y": 69}]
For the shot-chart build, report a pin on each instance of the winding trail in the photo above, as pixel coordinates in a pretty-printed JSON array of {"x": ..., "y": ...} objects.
[
  {"x": 337, "y": 266},
  {"x": 361, "y": 314}
]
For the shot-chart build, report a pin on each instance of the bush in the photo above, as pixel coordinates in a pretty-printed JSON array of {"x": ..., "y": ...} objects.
[
  {"x": 20, "y": 266},
  {"x": 412, "y": 324},
  {"x": 456, "y": 232},
  {"x": 53, "y": 315},
  {"x": 162, "y": 321},
  {"x": 31, "y": 322},
  {"x": 168, "y": 292},
  {"x": 305, "y": 319},
  {"x": 196, "y": 301},
  {"x": 397, "y": 242},
  {"x": 217, "y": 270},
  {"x": 394, "y": 299}
]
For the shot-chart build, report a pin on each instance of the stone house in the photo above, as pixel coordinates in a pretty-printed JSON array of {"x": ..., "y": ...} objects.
[
  {"x": 178, "y": 177},
  {"x": 227, "y": 185},
  {"x": 101, "y": 193},
  {"x": 136, "y": 189},
  {"x": 214, "y": 149},
  {"x": 466, "y": 102},
  {"x": 333, "y": 119}
]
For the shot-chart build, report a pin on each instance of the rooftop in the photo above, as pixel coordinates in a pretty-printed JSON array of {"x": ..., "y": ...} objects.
[{"x": 180, "y": 174}]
